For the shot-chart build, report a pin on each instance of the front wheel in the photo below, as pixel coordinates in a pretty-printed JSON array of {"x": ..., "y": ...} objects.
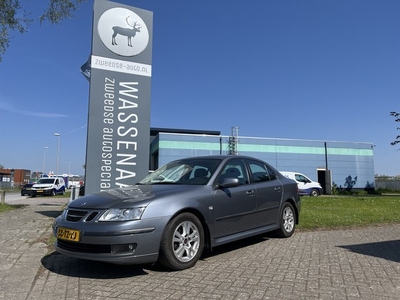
[
  {"x": 53, "y": 192},
  {"x": 314, "y": 193},
  {"x": 182, "y": 242},
  {"x": 287, "y": 221}
]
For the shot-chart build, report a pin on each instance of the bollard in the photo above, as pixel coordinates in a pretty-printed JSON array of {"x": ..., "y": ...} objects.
[
  {"x": 3, "y": 196},
  {"x": 74, "y": 193}
]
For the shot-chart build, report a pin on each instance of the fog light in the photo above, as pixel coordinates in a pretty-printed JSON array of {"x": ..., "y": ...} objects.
[{"x": 120, "y": 249}]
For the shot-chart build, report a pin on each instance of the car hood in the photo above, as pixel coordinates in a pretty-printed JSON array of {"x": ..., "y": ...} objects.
[
  {"x": 136, "y": 195},
  {"x": 42, "y": 185}
]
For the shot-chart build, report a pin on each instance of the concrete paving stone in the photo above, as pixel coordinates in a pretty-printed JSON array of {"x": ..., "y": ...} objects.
[{"x": 359, "y": 263}]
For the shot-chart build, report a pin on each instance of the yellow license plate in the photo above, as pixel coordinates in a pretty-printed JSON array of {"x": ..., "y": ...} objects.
[{"x": 68, "y": 234}]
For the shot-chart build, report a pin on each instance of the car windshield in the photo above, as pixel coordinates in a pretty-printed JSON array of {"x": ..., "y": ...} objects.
[
  {"x": 185, "y": 171},
  {"x": 46, "y": 180}
]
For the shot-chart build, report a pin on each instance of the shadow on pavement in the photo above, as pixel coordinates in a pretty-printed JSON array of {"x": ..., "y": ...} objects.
[
  {"x": 233, "y": 246},
  {"x": 68, "y": 266},
  {"x": 388, "y": 250},
  {"x": 74, "y": 267},
  {"x": 50, "y": 213}
]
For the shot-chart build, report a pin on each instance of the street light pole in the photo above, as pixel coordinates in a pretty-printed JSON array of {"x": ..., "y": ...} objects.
[
  {"x": 44, "y": 158},
  {"x": 58, "y": 150}
]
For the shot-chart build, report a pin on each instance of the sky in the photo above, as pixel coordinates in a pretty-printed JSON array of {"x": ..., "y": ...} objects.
[{"x": 310, "y": 69}]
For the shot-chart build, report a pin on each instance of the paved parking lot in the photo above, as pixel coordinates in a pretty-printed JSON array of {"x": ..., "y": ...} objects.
[{"x": 341, "y": 264}]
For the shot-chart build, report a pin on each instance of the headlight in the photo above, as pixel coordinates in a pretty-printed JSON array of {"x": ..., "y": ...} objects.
[{"x": 122, "y": 214}]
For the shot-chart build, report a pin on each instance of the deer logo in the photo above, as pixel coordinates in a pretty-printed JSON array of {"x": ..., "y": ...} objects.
[{"x": 124, "y": 31}]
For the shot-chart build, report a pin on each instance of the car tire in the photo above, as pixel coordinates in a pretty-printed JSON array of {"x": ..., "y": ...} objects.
[
  {"x": 182, "y": 242},
  {"x": 53, "y": 192},
  {"x": 314, "y": 193},
  {"x": 287, "y": 221}
]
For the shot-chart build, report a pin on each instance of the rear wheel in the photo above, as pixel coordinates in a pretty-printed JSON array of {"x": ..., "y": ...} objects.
[
  {"x": 287, "y": 221},
  {"x": 182, "y": 242}
]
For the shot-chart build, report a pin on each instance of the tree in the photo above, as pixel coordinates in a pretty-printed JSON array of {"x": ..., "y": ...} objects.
[
  {"x": 397, "y": 116},
  {"x": 14, "y": 18}
]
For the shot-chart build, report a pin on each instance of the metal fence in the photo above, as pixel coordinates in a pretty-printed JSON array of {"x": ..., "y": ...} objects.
[
  {"x": 5, "y": 185},
  {"x": 11, "y": 185},
  {"x": 387, "y": 184}
]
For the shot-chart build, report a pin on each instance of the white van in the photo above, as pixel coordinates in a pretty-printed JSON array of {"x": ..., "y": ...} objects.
[
  {"x": 48, "y": 186},
  {"x": 305, "y": 184}
]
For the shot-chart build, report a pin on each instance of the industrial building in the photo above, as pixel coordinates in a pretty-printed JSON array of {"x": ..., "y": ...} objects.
[
  {"x": 14, "y": 177},
  {"x": 334, "y": 164}
]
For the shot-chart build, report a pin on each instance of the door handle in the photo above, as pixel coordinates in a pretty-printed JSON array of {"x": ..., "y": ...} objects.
[
  {"x": 277, "y": 189},
  {"x": 250, "y": 193}
]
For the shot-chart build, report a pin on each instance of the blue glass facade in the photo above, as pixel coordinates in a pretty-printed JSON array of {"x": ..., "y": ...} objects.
[{"x": 349, "y": 162}]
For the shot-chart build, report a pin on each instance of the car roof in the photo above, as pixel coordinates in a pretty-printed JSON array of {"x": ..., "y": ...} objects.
[{"x": 222, "y": 156}]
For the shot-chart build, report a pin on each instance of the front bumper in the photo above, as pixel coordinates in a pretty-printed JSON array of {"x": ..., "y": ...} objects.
[
  {"x": 132, "y": 242},
  {"x": 47, "y": 192}
]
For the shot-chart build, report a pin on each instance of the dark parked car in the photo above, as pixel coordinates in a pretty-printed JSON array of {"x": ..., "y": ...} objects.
[
  {"x": 179, "y": 209},
  {"x": 26, "y": 189},
  {"x": 82, "y": 190}
]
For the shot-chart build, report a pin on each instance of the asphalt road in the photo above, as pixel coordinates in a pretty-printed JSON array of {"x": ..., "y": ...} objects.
[
  {"x": 11, "y": 198},
  {"x": 16, "y": 198}
]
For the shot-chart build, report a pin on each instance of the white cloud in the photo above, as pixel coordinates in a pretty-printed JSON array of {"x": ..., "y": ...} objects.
[
  {"x": 76, "y": 129},
  {"x": 10, "y": 108}
]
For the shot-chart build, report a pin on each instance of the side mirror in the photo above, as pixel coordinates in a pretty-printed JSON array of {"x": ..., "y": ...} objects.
[{"x": 229, "y": 182}]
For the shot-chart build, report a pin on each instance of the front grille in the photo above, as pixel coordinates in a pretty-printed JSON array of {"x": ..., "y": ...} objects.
[
  {"x": 91, "y": 216},
  {"x": 85, "y": 248},
  {"x": 74, "y": 215}
]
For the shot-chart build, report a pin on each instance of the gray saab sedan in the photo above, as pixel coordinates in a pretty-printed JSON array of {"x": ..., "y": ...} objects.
[{"x": 179, "y": 209}]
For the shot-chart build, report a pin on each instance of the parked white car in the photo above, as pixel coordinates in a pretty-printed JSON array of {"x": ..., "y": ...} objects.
[
  {"x": 49, "y": 186},
  {"x": 305, "y": 184}
]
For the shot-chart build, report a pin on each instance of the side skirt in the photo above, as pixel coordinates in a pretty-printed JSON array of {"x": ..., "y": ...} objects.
[{"x": 242, "y": 235}]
